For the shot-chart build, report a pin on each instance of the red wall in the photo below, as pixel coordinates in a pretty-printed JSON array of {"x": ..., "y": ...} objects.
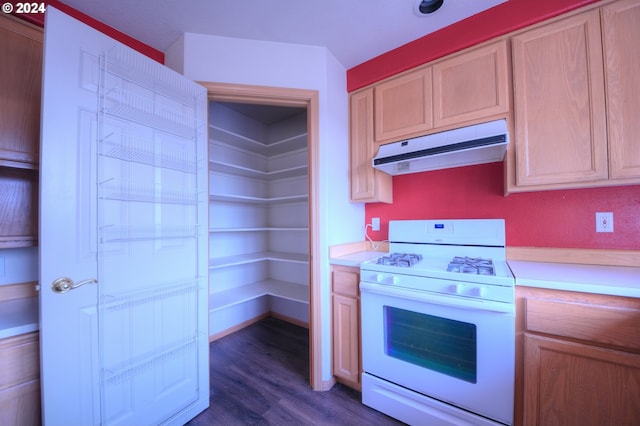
[
  {"x": 538, "y": 219},
  {"x": 38, "y": 19},
  {"x": 502, "y": 19}
]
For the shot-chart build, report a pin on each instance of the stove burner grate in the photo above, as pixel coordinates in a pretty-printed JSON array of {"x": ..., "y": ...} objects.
[
  {"x": 472, "y": 265},
  {"x": 400, "y": 259}
]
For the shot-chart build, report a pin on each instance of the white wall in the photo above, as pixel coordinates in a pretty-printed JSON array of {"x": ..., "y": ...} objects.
[{"x": 229, "y": 60}]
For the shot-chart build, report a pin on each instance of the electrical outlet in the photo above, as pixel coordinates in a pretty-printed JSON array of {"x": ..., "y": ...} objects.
[
  {"x": 375, "y": 224},
  {"x": 604, "y": 221}
]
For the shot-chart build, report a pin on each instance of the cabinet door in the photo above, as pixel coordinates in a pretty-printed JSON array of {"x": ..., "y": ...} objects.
[
  {"x": 621, "y": 34},
  {"x": 347, "y": 364},
  {"x": 569, "y": 383},
  {"x": 21, "y": 86},
  {"x": 367, "y": 183},
  {"x": 346, "y": 338},
  {"x": 403, "y": 106},
  {"x": 560, "y": 124},
  {"x": 471, "y": 86},
  {"x": 19, "y": 380}
]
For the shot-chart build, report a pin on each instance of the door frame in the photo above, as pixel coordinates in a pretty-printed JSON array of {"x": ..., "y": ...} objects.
[{"x": 277, "y": 96}]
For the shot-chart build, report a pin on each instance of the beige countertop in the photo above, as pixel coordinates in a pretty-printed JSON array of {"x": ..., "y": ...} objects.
[
  {"x": 599, "y": 279},
  {"x": 355, "y": 259}
]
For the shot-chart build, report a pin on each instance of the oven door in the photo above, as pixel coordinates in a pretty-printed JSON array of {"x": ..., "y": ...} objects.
[{"x": 457, "y": 350}]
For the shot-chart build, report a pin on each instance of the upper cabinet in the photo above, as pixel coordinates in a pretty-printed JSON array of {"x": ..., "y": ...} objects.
[
  {"x": 560, "y": 122},
  {"x": 403, "y": 106},
  {"x": 576, "y": 100},
  {"x": 462, "y": 89},
  {"x": 368, "y": 185},
  {"x": 621, "y": 35},
  {"x": 20, "y": 86},
  {"x": 467, "y": 87},
  {"x": 471, "y": 86}
]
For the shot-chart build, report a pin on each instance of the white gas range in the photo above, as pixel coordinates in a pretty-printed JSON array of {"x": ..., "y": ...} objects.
[{"x": 438, "y": 324}]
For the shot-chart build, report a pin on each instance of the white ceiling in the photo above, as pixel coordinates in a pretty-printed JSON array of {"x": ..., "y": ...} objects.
[{"x": 353, "y": 30}]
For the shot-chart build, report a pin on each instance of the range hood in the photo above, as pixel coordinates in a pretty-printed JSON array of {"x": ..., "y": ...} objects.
[{"x": 477, "y": 144}]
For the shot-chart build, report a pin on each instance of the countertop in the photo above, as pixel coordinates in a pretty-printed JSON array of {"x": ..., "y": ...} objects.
[
  {"x": 18, "y": 316},
  {"x": 597, "y": 279},
  {"x": 355, "y": 259},
  {"x": 611, "y": 280}
]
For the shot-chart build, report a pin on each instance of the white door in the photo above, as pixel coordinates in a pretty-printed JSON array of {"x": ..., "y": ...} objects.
[{"x": 123, "y": 219}]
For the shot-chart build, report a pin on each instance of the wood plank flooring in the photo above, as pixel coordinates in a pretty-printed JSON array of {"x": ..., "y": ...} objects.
[{"x": 260, "y": 376}]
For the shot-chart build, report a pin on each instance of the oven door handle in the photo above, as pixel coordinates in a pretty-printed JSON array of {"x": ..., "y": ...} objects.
[{"x": 438, "y": 299}]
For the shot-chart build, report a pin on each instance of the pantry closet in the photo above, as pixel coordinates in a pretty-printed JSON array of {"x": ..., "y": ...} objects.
[{"x": 258, "y": 215}]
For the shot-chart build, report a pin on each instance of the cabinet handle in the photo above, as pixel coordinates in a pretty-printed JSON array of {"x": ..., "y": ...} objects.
[{"x": 64, "y": 284}]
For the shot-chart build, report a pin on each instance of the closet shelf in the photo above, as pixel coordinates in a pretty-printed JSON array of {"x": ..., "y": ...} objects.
[
  {"x": 121, "y": 62},
  {"x": 283, "y": 289},
  {"x": 261, "y": 229},
  {"x": 233, "y": 169},
  {"x": 243, "y": 259},
  {"x": 122, "y": 368},
  {"x": 136, "y": 108},
  {"x": 8, "y": 163},
  {"x": 16, "y": 241},
  {"x": 132, "y": 192},
  {"x": 142, "y": 151},
  {"x": 259, "y": 200},
  {"x": 131, "y": 233},
  {"x": 236, "y": 140},
  {"x": 123, "y": 299}
]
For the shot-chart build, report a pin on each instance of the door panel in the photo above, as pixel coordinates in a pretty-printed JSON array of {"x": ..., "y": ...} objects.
[{"x": 124, "y": 201}]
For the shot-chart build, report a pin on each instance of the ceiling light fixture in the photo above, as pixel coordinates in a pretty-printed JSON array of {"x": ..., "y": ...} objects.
[{"x": 425, "y": 7}]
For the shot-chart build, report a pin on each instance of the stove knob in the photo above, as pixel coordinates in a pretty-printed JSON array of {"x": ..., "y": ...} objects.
[
  {"x": 379, "y": 278},
  {"x": 479, "y": 291},
  {"x": 396, "y": 280},
  {"x": 457, "y": 288}
]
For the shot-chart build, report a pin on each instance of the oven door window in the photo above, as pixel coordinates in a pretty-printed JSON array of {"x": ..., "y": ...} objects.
[{"x": 439, "y": 344}]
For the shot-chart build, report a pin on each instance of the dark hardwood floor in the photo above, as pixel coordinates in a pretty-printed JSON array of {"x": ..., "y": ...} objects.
[{"x": 260, "y": 376}]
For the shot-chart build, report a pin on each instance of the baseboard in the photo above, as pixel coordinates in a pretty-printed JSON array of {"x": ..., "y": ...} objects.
[
  {"x": 328, "y": 384},
  {"x": 289, "y": 319},
  {"x": 237, "y": 327},
  {"x": 247, "y": 323}
]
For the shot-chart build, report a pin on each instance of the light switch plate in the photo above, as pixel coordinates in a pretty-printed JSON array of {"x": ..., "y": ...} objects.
[{"x": 604, "y": 221}]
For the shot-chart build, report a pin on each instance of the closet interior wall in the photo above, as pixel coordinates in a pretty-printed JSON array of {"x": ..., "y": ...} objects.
[{"x": 258, "y": 218}]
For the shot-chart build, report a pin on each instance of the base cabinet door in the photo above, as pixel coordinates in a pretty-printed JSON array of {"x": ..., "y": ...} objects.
[
  {"x": 347, "y": 359},
  {"x": 570, "y": 383},
  {"x": 20, "y": 380},
  {"x": 577, "y": 358}
]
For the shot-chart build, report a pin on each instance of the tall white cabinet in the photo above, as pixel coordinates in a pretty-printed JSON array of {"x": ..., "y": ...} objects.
[{"x": 258, "y": 219}]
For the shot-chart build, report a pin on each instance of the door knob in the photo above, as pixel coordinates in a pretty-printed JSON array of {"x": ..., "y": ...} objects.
[{"x": 64, "y": 284}]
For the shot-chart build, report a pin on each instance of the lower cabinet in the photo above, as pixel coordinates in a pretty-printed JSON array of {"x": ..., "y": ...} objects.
[
  {"x": 347, "y": 353},
  {"x": 579, "y": 359},
  {"x": 20, "y": 380}
]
